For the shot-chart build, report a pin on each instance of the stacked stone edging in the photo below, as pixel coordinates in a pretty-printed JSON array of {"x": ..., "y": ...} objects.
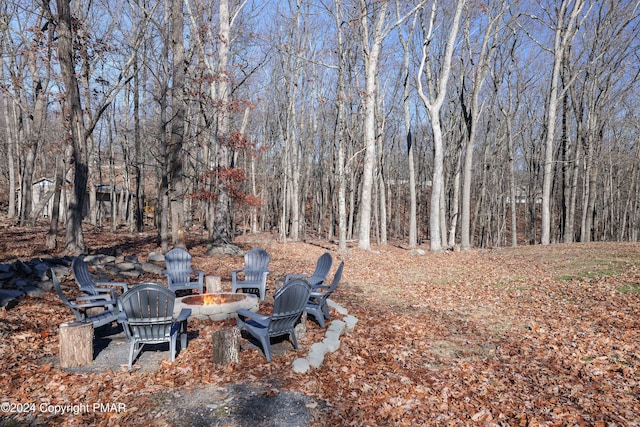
[{"x": 329, "y": 344}]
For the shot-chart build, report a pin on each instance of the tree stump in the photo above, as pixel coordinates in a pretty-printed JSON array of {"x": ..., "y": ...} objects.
[
  {"x": 301, "y": 327},
  {"x": 226, "y": 346},
  {"x": 213, "y": 284},
  {"x": 76, "y": 344}
]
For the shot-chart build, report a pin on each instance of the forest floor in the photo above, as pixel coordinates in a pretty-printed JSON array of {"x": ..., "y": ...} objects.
[{"x": 526, "y": 336}]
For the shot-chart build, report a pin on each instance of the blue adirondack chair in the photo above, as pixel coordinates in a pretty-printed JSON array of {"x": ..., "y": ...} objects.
[
  {"x": 146, "y": 314},
  {"x": 255, "y": 271},
  {"x": 317, "y": 304},
  {"x": 179, "y": 273},
  {"x": 288, "y": 305}
]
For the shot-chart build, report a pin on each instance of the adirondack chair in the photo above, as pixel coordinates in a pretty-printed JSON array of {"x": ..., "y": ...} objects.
[
  {"x": 288, "y": 305},
  {"x": 317, "y": 304},
  {"x": 89, "y": 285},
  {"x": 80, "y": 305},
  {"x": 179, "y": 272},
  {"x": 317, "y": 278},
  {"x": 255, "y": 272},
  {"x": 146, "y": 314}
]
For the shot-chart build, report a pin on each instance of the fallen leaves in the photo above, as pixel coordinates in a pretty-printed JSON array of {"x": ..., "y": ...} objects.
[{"x": 469, "y": 338}]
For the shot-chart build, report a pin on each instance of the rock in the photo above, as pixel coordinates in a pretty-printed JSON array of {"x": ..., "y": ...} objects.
[
  {"x": 46, "y": 285},
  {"x": 126, "y": 266},
  {"x": 147, "y": 267},
  {"x": 132, "y": 274},
  {"x": 9, "y": 298},
  {"x": 332, "y": 343},
  {"x": 337, "y": 307},
  {"x": 224, "y": 251},
  {"x": 132, "y": 259},
  {"x": 417, "y": 252},
  {"x": 350, "y": 321},
  {"x": 23, "y": 268},
  {"x": 6, "y": 275},
  {"x": 34, "y": 292},
  {"x": 301, "y": 366},
  {"x": 155, "y": 257},
  {"x": 337, "y": 326},
  {"x": 40, "y": 270}
]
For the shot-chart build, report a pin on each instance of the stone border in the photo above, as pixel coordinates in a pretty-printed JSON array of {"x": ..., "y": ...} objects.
[{"x": 329, "y": 344}]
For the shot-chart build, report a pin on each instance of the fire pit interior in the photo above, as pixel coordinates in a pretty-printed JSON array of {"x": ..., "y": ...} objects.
[{"x": 216, "y": 306}]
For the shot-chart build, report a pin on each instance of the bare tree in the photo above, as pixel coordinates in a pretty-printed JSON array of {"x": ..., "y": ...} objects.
[
  {"x": 433, "y": 100},
  {"x": 473, "y": 110},
  {"x": 566, "y": 25}
]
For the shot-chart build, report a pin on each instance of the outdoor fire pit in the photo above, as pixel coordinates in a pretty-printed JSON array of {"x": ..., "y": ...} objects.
[{"x": 216, "y": 306}]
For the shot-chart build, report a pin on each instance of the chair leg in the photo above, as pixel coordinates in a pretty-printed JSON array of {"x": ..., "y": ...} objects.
[
  {"x": 266, "y": 346},
  {"x": 183, "y": 335},
  {"x": 294, "y": 339},
  {"x": 172, "y": 347},
  {"x": 134, "y": 351}
]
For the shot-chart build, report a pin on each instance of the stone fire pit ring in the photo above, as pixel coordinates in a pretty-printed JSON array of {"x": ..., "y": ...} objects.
[{"x": 216, "y": 306}]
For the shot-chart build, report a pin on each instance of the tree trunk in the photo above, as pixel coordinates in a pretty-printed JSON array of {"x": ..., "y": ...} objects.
[
  {"x": 75, "y": 344},
  {"x": 177, "y": 125},
  {"x": 226, "y": 346},
  {"x": 433, "y": 103},
  {"x": 74, "y": 243}
]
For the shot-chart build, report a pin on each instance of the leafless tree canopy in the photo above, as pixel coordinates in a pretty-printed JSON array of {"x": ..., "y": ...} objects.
[{"x": 468, "y": 123}]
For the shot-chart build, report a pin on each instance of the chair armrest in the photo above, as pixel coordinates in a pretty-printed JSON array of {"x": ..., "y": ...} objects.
[
  {"x": 96, "y": 298},
  {"x": 123, "y": 285},
  {"x": 250, "y": 314},
  {"x": 295, "y": 276},
  {"x": 200, "y": 274},
  {"x": 183, "y": 315},
  {"x": 103, "y": 303}
]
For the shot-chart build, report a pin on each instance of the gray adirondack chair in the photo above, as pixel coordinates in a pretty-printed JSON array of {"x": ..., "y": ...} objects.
[
  {"x": 288, "y": 305},
  {"x": 319, "y": 275},
  {"x": 255, "y": 271},
  {"x": 89, "y": 285},
  {"x": 179, "y": 272},
  {"x": 317, "y": 303},
  {"x": 80, "y": 306},
  {"x": 146, "y": 314}
]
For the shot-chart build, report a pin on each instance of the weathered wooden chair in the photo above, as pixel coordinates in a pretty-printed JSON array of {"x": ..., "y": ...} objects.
[
  {"x": 106, "y": 307},
  {"x": 288, "y": 305},
  {"x": 146, "y": 314},
  {"x": 87, "y": 282},
  {"x": 179, "y": 272},
  {"x": 317, "y": 304},
  {"x": 319, "y": 275},
  {"x": 255, "y": 271}
]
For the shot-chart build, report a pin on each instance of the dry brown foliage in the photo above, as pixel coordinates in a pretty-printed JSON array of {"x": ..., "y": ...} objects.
[{"x": 528, "y": 336}]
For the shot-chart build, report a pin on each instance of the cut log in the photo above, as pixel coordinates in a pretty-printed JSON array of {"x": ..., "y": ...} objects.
[
  {"x": 226, "y": 346},
  {"x": 213, "y": 284},
  {"x": 76, "y": 344},
  {"x": 301, "y": 327}
]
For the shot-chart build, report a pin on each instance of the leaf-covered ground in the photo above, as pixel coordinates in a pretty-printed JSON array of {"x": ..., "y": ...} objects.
[{"x": 528, "y": 336}]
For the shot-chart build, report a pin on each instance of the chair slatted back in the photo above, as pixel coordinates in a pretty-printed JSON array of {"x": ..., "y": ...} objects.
[
  {"x": 83, "y": 277},
  {"x": 178, "y": 262},
  {"x": 149, "y": 311},
  {"x": 256, "y": 262},
  {"x": 323, "y": 266},
  {"x": 289, "y": 302}
]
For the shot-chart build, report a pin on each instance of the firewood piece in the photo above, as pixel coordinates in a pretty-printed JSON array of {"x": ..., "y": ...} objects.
[
  {"x": 226, "y": 346},
  {"x": 76, "y": 344},
  {"x": 213, "y": 284}
]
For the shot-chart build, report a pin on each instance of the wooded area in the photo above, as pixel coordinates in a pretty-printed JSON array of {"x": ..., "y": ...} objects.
[{"x": 470, "y": 123}]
